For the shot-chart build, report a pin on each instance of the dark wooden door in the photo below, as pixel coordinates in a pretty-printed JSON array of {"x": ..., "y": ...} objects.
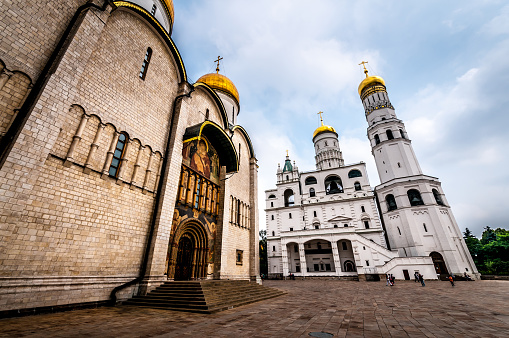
[
  {"x": 406, "y": 274},
  {"x": 184, "y": 259}
]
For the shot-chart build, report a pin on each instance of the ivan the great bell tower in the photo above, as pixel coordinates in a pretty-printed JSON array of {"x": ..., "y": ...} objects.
[{"x": 418, "y": 219}]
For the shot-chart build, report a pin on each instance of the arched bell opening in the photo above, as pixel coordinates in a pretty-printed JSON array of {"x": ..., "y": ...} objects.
[{"x": 188, "y": 252}]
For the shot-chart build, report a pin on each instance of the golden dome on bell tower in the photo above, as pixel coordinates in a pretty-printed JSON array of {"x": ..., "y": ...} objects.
[
  {"x": 323, "y": 128},
  {"x": 369, "y": 80}
]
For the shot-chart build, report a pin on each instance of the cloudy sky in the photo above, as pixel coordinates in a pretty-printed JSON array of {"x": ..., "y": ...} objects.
[{"x": 445, "y": 64}]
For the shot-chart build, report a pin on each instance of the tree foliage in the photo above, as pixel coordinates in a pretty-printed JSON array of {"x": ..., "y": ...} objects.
[{"x": 491, "y": 252}]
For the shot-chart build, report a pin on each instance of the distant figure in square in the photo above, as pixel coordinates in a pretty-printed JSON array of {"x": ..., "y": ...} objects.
[
  {"x": 451, "y": 280},
  {"x": 421, "y": 279}
]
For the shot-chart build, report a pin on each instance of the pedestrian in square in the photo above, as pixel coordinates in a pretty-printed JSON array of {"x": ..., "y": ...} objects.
[
  {"x": 416, "y": 276},
  {"x": 451, "y": 280},
  {"x": 421, "y": 279}
]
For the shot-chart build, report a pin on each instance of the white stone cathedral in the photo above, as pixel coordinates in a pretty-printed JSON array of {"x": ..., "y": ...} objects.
[{"x": 329, "y": 222}]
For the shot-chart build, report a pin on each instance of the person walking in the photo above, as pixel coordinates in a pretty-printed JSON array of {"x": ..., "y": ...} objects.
[
  {"x": 451, "y": 280},
  {"x": 421, "y": 279},
  {"x": 416, "y": 276},
  {"x": 388, "y": 279}
]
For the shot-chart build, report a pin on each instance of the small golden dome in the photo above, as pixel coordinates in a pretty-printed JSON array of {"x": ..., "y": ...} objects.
[
  {"x": 220, "y": 82},
  {"x": 323, "y": 129},
  {"x": 369, "y": 81},
  {"x": 169, "y": 9}
]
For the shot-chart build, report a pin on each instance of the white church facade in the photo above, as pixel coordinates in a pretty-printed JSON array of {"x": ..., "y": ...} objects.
[{"x": 329, "y": 222}]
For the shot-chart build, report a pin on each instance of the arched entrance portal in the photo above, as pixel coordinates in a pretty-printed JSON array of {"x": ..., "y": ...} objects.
[
  {"x": 188, "y": 252},
  {"x": 184, "y": 258},
  {"x": 439, "y": 263}
]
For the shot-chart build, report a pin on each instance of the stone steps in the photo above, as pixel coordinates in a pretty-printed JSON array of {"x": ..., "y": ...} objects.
[{"x": 204, "y": 296}]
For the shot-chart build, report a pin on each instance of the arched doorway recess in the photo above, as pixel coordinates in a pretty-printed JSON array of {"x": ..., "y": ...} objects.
[
  {"x": 439, "y": 263},
  {"x": 188, "y": 252}
]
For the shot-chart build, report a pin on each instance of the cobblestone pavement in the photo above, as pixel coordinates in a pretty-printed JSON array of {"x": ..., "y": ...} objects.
[{"x": 352, "y": 309}]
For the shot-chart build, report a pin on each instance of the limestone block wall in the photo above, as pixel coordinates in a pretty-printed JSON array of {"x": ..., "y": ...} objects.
[
  {"x": 236, "y": 233},
  {"x": 30, "y": 31},
  {"x": 14, "y": 87},
  {"x": 77, "y": 231}
]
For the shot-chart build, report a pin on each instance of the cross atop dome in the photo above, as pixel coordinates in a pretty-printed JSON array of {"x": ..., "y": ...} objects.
[{"x": 217, "y": 67}]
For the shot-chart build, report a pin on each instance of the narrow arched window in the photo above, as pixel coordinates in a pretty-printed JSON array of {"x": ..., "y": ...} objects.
[
  {"x": 354, "y": 173},
  {"x": 363, "y": 209},
  {"x": 272, "y": 204},
  {"x": 239, "y": 153},
  {"x": 377, "y": 139},
  {"x": 389, "y": 134},
  {"x": 118, "y": 155},
  {"x": 144, "y": 65},
  {"x": 424, "y": 226},
  {"x": 311, "y": 192},
  {"x": 438, "y": 199},
  {"x": 271, "y": 217},
  {"x": 414, "y": 196},
  {"x": 314, "y": 213},
  {"x": 402, "y": 133},
  {"x": 287, "y": 177},
  {"x": 273, "y": 233},
  {"x": 391, "y": 202},
  {"x": 357, "y": 186},
  {"x": 399, "y": 231},
  {"x": 366, "y": 224},
  {"x": 333, "y": 185}
]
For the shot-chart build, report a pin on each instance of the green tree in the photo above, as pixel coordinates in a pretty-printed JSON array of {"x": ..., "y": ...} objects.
[
  {"x": 264, "y": 268},
  {"x": 488, "y": 235},
  {"x": 474, "y": 246}
]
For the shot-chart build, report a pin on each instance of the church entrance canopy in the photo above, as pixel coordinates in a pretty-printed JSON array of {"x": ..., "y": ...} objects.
[{"x": 219, "y": 140}]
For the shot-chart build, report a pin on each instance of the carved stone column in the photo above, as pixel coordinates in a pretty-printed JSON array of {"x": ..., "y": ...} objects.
[
  {"x": 302, "y": 258},
  {"x": 93, "y": 148},
  {"x": 76, "y": 140},
  {"x": 337, "y": 259},
  {"x": 137, "y": 165}
]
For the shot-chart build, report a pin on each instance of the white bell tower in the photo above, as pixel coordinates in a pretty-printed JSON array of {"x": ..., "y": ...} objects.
[{"x": 417, "y": 218}]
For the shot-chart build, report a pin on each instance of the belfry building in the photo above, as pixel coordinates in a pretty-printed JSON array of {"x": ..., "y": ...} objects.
[
  {"x": 116, "y": 173},
  {"x": 330, "y": 222}
]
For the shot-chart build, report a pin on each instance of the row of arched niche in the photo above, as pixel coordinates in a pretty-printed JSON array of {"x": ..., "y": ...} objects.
[
  {"x": 414, "y": 197},
  {"x": 333, "y": 185}
]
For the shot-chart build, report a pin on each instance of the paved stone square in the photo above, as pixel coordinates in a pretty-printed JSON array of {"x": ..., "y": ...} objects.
[{"x": 352, "y": 309}]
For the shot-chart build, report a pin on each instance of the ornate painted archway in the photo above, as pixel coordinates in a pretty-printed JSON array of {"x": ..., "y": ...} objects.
[{"x": 188, "y": 251}]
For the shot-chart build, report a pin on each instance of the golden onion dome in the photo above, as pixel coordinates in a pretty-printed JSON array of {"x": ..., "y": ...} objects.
[
  {"x": 368, "y": 81},
  {"x": 323, "y": 129},
  {"x": 169, "y": 9},
  {"x": 220, "y": 82}
]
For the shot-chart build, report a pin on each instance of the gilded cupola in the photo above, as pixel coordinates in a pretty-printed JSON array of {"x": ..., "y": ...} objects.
[
  {"x": 323, "y": 128},
  {"x": 370, "y": 84}
]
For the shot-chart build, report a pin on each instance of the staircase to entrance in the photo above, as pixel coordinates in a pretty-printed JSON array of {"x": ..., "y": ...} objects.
[{"x": 204, "y": 296}]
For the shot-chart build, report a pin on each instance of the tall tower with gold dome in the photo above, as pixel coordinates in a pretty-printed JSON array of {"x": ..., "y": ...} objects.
[
  {"x": 418, "y": 219},
  {"x": 226, "y": 91},
  {"x": 327, "y": 152}
]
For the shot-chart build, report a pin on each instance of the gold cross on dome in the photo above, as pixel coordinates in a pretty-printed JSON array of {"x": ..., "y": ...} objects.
[
  {"x": 217, "y": 67},
  {"x": 286, "y": 152},
  {"x": 363, "y": 63},
  {"x": 321, "y": 119}
]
